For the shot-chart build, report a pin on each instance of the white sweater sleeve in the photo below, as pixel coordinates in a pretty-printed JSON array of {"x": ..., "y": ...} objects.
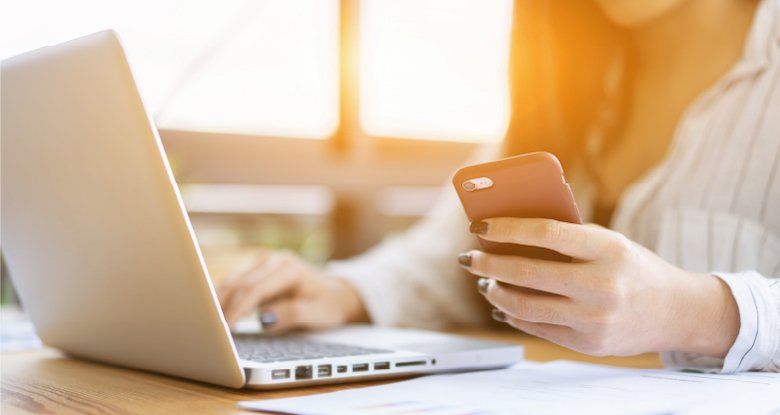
[
  {"x": 413, "y": 278},
  {"x": 757, "y": 346}
]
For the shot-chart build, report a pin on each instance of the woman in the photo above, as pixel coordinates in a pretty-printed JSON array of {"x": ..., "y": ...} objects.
[{"x": 666, "y": 116}]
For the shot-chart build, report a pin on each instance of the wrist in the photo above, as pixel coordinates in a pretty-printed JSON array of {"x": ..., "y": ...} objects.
[
  {"x": 708, "y": 316},
  {"x": 353, "y": 307}
]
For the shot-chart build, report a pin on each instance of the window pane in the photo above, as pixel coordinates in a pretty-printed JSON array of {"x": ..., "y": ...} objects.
[
  {"x": 246, "y": 66},
  {"x": 435, "y": 69}
]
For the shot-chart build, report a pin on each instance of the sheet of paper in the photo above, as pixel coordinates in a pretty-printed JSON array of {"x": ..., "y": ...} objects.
[
  {"x": 17, "y": 333},
  {"x": 560, "y": 387}
]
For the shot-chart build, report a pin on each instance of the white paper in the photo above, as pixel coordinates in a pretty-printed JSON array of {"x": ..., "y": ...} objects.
[
  {"x": 17, "y": 334},
  {"x": 560, "y": 387}
]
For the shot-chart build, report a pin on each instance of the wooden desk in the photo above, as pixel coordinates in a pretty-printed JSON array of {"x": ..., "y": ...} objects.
[{"x": 45, "y": 382}]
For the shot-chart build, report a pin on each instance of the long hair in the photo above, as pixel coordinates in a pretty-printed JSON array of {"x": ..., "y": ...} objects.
[{"x": 560, "y": 56}]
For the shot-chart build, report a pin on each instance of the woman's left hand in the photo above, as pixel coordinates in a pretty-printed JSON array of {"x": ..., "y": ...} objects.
[{"x": 615, "y": 297}]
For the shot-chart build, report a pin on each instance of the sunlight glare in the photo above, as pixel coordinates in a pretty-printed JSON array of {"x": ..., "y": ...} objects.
[{"x": 435, "y": 69}]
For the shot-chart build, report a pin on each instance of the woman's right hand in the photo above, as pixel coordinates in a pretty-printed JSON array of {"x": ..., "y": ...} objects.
[{"x": 290, "y": 294}]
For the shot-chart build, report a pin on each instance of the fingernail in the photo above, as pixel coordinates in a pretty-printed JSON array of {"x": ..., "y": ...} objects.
[
  {"x": 498, "y": 315},
  {"x": 464, "y": 260},
  {"x": 482, "y": 285},
  {"x": 479, "y": 227},
  {"x": 268, "y": 318}
]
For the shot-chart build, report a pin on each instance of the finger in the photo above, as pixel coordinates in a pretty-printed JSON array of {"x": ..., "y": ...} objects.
[
  {"x": 549, "y": 276},
  {"x": 228, "y": 284},
  {"x": 296, "y": 313},
  {"x": 575, "y": 240},
  {"x": 274, "y": 283},
  {"x": 248, "y": 301},
  {"x": 242, "y": 285},
  {"x": 224, "y": 291},
  {"x": 286, "y": 315},
  {"x": 560, "y": 335},
  {"x": 267, "y": 283},
  {"x": 528, "y": 306}
]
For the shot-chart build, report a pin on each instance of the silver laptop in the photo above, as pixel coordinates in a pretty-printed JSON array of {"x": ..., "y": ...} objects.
[{"x": 104, "y": 258}]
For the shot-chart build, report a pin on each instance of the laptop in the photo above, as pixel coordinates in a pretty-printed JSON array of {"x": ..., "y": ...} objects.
[{"x": 104, "y": 258}]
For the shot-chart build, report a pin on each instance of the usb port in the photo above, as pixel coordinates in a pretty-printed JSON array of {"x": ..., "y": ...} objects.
[
  {"x": 277, "y": 374},
  {"x": 303, "y": 372},
  {"x": 341, "y": 369},
  {"x": 323, "y": 371},
  {"x": 381, "y": 365},
  {"x": 360, "y": 367}
]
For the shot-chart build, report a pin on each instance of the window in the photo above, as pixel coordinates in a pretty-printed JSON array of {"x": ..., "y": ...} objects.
[
  {"x": 267, "y": 67},
  {"x": 428, "y": 69},
  {"x": 435, "y": 69}
]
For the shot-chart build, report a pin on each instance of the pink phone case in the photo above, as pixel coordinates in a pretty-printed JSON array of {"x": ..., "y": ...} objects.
[{"x": 525, "y": 186}]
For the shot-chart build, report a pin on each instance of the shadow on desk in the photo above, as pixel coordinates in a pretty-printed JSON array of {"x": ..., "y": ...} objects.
[
  {"x": 543, "y": 351},
  {"x": 46, "y": 382}
]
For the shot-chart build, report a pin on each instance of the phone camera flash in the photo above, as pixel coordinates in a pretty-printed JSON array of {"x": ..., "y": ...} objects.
[{"x": 479, "y": 183}]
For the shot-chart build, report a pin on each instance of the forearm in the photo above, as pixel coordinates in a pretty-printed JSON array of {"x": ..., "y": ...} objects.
[
  {"x": 409, "y": 290},
  {"x": 413, "y": 278}
]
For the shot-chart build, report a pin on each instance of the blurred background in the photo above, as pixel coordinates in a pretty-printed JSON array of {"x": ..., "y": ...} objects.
[{"x": 318, "y": 126}]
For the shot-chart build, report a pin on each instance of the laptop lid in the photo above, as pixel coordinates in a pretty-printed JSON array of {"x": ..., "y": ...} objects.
[{"x": 94, "y": 232}]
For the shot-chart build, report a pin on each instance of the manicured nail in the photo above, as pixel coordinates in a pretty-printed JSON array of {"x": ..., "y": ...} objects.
[
  {"x": 268, "y": 318},
  {"x": 464, "y": 260},
  {"x": 482, "y": 285},
  {"x": 479, "y": 227},
  {"x": 498, "y": 315}
]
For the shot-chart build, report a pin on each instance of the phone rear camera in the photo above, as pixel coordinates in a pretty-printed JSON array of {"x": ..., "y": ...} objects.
[{"x": 478, "y": 183}]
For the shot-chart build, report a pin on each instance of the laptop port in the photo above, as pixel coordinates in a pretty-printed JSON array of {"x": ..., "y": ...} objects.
[
  {"x": 360, "y": 367},
  {"x": 381, "y": 365},
  {"x": 323, "y": 371},
  {"x": 303, "y": 372},
  {"x": 412, "y": 363},
  {"x": 341, "y": 369},
  {"x": 277, "y": 374}
]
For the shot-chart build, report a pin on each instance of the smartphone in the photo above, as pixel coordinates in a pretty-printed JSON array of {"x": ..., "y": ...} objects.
[{"x": 525, "y": 186}]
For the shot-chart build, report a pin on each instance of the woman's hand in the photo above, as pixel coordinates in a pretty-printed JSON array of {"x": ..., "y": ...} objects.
[
  {"x": 290, "y": 294},
  {"x": 615, "y": 298}
]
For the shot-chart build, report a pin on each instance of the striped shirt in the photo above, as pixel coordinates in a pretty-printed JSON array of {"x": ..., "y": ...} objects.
[{"x": 712, "y": 205}]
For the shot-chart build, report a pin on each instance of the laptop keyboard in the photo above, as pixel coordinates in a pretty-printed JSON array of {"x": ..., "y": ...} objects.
[{"x": 264, "y": 349}]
